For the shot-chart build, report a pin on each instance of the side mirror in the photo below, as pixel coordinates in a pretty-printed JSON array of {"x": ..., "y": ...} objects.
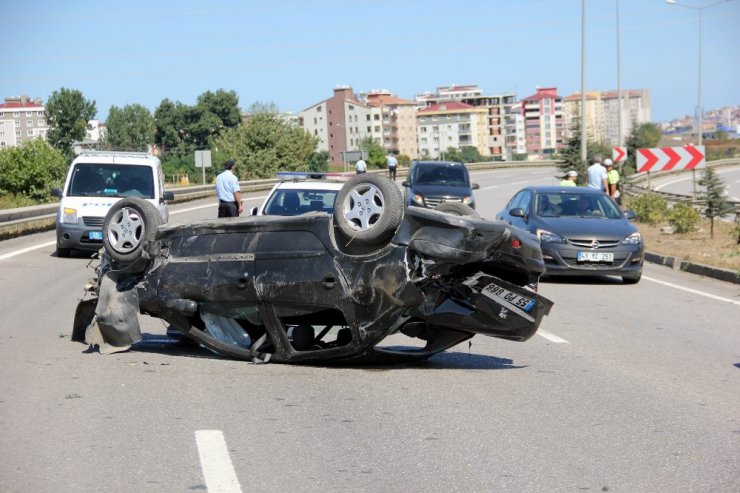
[
  {"x": 253, "y": 211},
  {"x": 55, "y": 192},
  {"x": 168, "y": 196},
  {"x": 405, "y": 183},
  {"x": 518, "y": 212},
  {"x": 475, "y": 186},
  {"x": 630, "y": 215}
]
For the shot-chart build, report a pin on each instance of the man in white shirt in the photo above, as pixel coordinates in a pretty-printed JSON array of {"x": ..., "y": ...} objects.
[
  {"x": 392, "y": 165},
  {"x": 597, "y": 176},
  {"x": 229, "y": 194},
  {"x": 360, "y": 166}
]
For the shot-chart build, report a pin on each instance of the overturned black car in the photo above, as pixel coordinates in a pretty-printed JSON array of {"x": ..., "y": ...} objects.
[{"x": 319, "y": 286}]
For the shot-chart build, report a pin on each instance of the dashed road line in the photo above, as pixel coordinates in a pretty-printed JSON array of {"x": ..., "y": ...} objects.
[
  {"x": 551, "y": 337},
  {"x": 29, "y": 249},
  {"x": 218, "y": 471},
  {"x": 694, "y": 291}
]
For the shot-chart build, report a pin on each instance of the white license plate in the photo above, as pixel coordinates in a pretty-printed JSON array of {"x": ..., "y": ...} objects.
[
  {"x": 595, "y": 257},
  {"x": 95, "y": 235},
  {"x": 498, "y": 293}
]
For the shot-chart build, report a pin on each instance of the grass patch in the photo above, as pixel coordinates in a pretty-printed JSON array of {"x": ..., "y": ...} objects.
[{"x": 721, "y": 252}]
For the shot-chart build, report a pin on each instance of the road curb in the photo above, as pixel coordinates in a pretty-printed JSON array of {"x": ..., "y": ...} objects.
[{"x": 677, "y": 263}]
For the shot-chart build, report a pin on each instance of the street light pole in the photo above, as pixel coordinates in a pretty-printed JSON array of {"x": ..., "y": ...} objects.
[
  {"x": 583, "y": 82},
  {"x": 700, "y": 110},
  {"x": 619, "y": 88}
]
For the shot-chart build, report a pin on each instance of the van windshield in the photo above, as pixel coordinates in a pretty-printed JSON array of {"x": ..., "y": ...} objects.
[
  {"x": 111, "y": 180},
  {"x": 442, "y": 175}
]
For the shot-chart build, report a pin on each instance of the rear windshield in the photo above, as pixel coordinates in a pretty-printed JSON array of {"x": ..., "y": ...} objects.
[
  {"x": 295, "y": 202},
  {"x": 111, "y": 180},
  {"x": 441, "y": 175}
]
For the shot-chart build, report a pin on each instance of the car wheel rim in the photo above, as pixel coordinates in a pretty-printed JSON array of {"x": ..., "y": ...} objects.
[
  {"x": 125, "y": 230},
  {"x": 363, "y": 206}
]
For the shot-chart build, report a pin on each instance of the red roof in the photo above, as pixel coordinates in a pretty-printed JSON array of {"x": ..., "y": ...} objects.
[
  {"x": 15, "y": 104},
  {"x": 386, "y": 99}
]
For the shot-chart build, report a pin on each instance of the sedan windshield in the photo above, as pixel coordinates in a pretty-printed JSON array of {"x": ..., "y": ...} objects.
[{"x": 576, "y": 205}]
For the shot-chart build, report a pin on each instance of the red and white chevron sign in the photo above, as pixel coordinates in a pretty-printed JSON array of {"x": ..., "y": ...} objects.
[
  {"x": 670, "y": 158},
  {"x": 619, "y": 154}
]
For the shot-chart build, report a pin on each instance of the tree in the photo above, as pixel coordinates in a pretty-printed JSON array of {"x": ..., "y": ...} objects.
[
  {"x": 714, "y": 197},
  {"x": 376, "y": 155},
  {"x": 645, "y": 135},
  {"x": 265, "y": 145},
  {"x": 129, "y": 129},
  {"x": 67, "y": 114},
  {"x": 32, "y": 169},
  {"x": 262, "y": 107},
  {"x": 319, "y": 161}
]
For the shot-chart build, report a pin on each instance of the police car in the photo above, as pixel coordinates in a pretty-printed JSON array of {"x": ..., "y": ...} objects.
[{"x": 299, "y": 192}]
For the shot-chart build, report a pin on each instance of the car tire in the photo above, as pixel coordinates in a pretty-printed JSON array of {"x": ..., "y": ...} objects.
[
  {"x": 631, "y": 280},
  {"x": 63, "y": 252},
  {"x": 128, "y": 225},
  {"x": 368, "y": 209},
  {"x": 458, "y": 209}
]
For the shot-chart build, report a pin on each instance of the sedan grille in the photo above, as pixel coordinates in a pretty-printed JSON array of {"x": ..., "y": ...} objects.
[
  {"x": 92, "y": 221},
  {"x": 435, "y": 201},
  {"x": 594, "y": 244}
]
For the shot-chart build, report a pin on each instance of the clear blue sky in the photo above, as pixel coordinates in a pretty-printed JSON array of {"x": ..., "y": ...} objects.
[{"x": 294, "y": 52}]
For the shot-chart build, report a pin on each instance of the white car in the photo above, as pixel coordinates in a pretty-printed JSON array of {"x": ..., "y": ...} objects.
[{"x": 297, "y": 193}]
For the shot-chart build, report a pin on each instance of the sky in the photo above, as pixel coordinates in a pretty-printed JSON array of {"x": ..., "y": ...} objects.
[{"x": 295, "y": 52}]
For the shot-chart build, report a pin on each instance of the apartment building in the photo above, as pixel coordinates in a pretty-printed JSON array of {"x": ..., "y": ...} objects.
[
  {"x": 602, "y": 114},
  {"x": 341, "y": 123},
  {"x": 452, "y": 124},
  {"x": 543, "y": 122},
  {"x": 21, "y": 119},
  {"x": 393, "y": 123},
  {"x": 501, "y": 121}
]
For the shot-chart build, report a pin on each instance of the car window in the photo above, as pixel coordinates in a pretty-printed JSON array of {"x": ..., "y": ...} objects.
[
  {"x": 287, "y": 202},
  {"x": 522, "y": 200},
  {"x": 111, "y": 180},
  {"x": 442, "y": 175}
]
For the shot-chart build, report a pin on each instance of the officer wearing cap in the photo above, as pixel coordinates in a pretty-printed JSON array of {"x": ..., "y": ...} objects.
[
  {"x": 229, "y": 194},
  {"x": 570, "y": 179},
  {"x": 612, "y": 178}
]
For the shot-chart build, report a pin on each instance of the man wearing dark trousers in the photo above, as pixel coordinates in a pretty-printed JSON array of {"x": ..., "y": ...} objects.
[{"x": 229, "y": 194}]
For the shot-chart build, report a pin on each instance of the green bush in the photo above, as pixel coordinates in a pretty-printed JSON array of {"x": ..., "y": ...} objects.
[
  {"x": 649, "y": 208},
  {"x": 32, "y": 170},
  {"x": 683, "y": 218}
]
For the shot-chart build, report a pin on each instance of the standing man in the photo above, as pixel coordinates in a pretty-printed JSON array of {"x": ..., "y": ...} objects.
[
  {"x": 570, "y": 179},
  {"x": 612, "y": 177},
  {"x": 229, "y": 194},
  {"x": 392, "y": 165},
  {"x": 360, "y": 166},
  {"x": 597, "y": 176}
]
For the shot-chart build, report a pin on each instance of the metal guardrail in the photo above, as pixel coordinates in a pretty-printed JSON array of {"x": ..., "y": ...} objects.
[{"x": 27, "y": 220}]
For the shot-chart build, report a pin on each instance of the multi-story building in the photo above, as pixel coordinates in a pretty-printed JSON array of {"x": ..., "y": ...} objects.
[
  {"x": 501, "y": 120},
  {"x": 543, "y": 121},
  {"x": 394, "y": 123},
  {"x": 452, "y": 124},
  {"x": 21, "y": 119},
  {"x": 341, "y": 123},
  {"x": 602, "y": 114}
]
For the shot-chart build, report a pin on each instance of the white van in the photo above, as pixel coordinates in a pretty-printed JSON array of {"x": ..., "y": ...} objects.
[{"x": 96, "y": 180}]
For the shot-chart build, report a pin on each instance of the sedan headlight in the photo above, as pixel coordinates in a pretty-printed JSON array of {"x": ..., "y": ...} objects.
[
  {"x": 633, "y": 239},
  {"x": 418, "y": 200},
  {"x": 549, "y": 237},
  {"x": 69, "y": 215}
]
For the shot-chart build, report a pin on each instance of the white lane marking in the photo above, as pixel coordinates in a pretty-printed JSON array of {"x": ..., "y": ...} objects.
[
  {"x": 689, "y": 290},
  {"x": 28, "y": 249},
  {"x": 672, "y": 182},
  {"x": 551, "y": 337},
  {"x": 180, "y": 211},
  {"x": 218, "y": 471}
]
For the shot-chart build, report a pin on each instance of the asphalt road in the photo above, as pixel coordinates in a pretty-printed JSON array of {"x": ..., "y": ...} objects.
[
  {"x": 683, "y": 183},
  {"x": 624, "y": 389}
]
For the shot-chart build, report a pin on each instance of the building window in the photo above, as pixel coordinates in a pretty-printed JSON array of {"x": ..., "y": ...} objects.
[
  {"x": 17, "y": 123},
  {"x": 18, "y": 133},
  {"x": 351, "y": 108},
  {"x": 367, "y": 117},
  {"x": 377, "y": 117},
  {"x": 41, "y": 123},
  {"x": 29, "y": 113},
  {"x": 318, "y": 108},
  {"x": 40, "y": 113},
  {"x": 30, "y": 133},
  {"x": 29, "y": 123},
  {"x": 16, "y": 113}
]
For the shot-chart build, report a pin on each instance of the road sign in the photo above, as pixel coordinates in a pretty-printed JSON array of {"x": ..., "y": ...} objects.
[
  {"x": 202, "y": 159},
  {"x": 619, "y": 154},
  {"x": 670, "y": 158}
]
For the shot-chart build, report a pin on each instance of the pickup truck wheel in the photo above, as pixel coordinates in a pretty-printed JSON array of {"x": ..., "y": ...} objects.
[
  {"x": 128, "y": 225},
  {"x": 458, "y": 209},
  {"x": 368, "y": 209}
]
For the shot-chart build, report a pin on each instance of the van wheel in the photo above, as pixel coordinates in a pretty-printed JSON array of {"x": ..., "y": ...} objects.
[
  {"x": 458, "y": 209},
  {"x": 128, "y": 225},
  {"x": 368, "y": 209},
  {"x": 63, "y": 252}
]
